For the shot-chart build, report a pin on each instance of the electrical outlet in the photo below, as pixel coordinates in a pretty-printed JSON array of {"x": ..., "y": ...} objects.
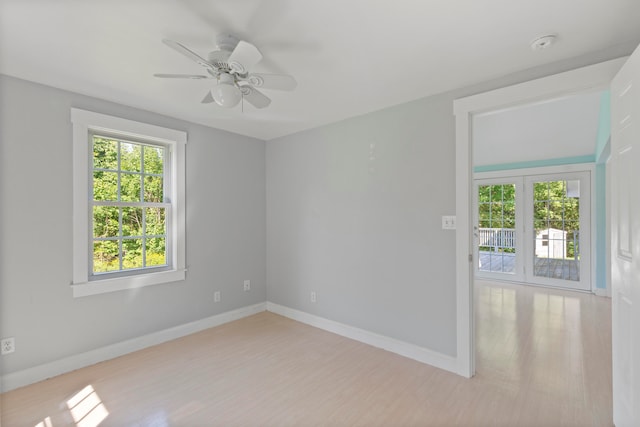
[
  {"x": 313, "y": 297},
  {"x": 8, "y": 345},
  {"x": 247, "y": 285},
  {"x": 216, "y": 296}
]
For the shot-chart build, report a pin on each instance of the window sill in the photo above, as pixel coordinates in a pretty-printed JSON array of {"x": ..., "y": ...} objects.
[{"x": 126, "y": 283}]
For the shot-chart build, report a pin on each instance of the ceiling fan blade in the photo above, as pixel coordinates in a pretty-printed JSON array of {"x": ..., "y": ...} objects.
[
  {"x": 243, "y": 57},
  {"x": 272, "y": 81},
  {"x": 187, "y": 52},
  {"x": 208, "y": 98},
  {"x": 181, "y": 76},
  {"x": 255, "y": 97}
]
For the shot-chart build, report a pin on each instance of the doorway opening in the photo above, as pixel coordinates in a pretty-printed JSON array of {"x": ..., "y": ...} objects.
[{"x": 591, "y": 78}]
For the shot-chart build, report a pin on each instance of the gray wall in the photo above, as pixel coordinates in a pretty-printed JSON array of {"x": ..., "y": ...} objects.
[
  {"x": 225, "y": 231},
  {"x": 366, "y": 234}
]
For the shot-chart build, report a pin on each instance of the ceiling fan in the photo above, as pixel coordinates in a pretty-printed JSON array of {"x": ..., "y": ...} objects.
[{"x": 229, "y": 65}]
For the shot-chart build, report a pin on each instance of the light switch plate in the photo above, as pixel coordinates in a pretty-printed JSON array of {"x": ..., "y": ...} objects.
[{"x": 449, "y": 222}]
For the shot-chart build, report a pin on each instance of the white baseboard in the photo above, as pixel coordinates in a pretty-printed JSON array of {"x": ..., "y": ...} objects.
[
  {"x": 412, "y": 351},
  {"x": 42, "y": 372}
]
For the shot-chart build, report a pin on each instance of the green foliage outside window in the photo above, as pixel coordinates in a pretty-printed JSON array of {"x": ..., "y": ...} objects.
[{"x": 132, "y": 235}]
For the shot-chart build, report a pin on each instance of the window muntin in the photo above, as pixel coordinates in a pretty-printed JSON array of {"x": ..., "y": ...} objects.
[{"x": 128, "y": 211}]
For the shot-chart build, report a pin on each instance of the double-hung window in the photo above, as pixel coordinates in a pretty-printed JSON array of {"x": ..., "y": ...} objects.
[
  {"x": 128, "y": 210},
  {"x": 128, "y": 204}
]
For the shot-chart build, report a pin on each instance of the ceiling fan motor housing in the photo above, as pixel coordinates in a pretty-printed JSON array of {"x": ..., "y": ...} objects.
[
  {"x": 218, "y": 58},
  {"x": 227, "y": 42}
]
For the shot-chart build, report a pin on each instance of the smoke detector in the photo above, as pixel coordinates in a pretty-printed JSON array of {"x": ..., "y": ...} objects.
[{"x": 543, "y": 42}]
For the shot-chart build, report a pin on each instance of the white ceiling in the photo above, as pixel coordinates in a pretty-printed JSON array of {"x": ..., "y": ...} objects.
[
  {"x": 559, "y": 128},
  {"x": 349, "y": 57}
]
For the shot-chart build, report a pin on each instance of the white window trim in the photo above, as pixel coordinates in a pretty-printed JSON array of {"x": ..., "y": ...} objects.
[{"x": 85, "y": 122}]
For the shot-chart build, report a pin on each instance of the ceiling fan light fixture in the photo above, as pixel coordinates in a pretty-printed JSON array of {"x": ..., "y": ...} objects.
[{"x": 226, "y": 94}]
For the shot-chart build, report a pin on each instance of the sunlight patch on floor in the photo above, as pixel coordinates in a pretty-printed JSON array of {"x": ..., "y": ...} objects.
[
  {"x": 86, "y": 408},
  {"x": 45, "y": 423}
]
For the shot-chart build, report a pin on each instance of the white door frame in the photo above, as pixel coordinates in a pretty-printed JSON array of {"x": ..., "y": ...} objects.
[{"x": 594, "y": 77}]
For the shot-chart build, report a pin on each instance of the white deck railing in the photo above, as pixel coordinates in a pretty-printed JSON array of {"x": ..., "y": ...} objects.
[
  {"x": 505, "y": 238},
  {"x": 497, "y": 238}
]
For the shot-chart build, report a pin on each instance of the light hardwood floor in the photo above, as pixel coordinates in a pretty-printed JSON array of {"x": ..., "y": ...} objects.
[{"x": 543, "y": 359}]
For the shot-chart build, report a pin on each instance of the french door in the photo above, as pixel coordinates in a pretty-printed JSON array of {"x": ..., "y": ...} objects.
[
  {"x": 498, "y": 229},
  {"x": 535, "y": 229}
]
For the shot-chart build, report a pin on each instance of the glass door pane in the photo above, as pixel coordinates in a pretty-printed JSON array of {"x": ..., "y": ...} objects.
[
  {"x": 496, "y": 228},
  {"x": 558, "y": 221},
  {"x": 556, "y": 230}
]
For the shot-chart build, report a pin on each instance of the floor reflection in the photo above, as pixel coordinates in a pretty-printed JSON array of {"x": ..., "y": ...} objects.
[{"x": 533, "y": 336}]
